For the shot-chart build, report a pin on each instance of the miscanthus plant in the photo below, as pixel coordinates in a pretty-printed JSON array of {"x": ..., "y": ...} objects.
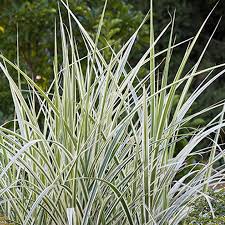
[{"x": 99, "y": 147}]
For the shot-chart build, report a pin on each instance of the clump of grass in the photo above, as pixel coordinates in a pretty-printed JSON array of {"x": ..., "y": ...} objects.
[{"x": 104, "y": 151}]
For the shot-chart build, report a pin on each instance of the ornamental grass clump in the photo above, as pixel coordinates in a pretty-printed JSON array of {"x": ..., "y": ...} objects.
[{"x": 99, "y": 147}]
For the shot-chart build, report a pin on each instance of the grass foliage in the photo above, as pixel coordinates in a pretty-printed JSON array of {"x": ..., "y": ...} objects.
[{"x": 99, "y": 147}]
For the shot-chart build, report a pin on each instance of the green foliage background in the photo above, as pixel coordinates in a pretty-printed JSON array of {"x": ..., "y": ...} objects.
[
  {"x": 201, "y": 213},
  {"x": 36, "y": 22}
]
